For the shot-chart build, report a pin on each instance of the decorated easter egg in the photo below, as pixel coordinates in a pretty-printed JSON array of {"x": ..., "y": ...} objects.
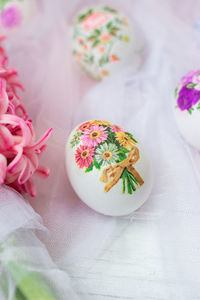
[
  {"x": 15, "y": 13},
  {"x": 104, "y": 40},
  {"x": 187, "y": 107},
  {"x": 108, "y": 168}
]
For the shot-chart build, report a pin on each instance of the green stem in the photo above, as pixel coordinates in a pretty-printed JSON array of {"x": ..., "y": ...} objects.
[
  {"x": 32, "y": 286},
  {"x": 29, "y": 285}
]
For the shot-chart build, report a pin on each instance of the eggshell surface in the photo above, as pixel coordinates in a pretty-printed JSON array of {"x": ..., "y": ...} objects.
[
  {"x": 104, "y": 41},
  {"x": 186, "y": 107},
  {"x": 108, "y": 168}
]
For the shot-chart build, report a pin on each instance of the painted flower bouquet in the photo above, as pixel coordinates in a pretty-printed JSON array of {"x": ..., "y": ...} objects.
[
  {"x": 109, "y": 149},
  {"x": 96, "y": 32},
  {"x": 188, "y": 92}
]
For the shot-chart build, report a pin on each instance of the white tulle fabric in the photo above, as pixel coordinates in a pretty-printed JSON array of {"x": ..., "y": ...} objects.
[
  {"x": 153, "y": 254},
  {"x": 19, "y": 245}
]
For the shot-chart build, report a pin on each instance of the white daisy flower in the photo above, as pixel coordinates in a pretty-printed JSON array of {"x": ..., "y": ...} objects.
[{"x": 107, "y": 154}]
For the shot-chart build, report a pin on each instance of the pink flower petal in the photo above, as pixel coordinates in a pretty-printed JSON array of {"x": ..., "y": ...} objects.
[
  {"x": 41, "y": 141},
  {"x": 29, "y": 188},
  {"x": 6, "y": 139},
  {"x": 43, "y": 171},
  {"x": 3, "y": 97},
  {"x": 26, "y": 172},
  {"x": 3, "y": 167},
  {"x": 16, "y": 160},
  {"x": 17, "y": 137}
]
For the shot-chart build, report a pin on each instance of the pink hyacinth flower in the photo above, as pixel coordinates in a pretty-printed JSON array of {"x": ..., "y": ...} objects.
[{"x": 19, "y": 152}]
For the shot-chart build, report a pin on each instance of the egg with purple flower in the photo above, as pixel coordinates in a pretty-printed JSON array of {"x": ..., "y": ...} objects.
[
  {"x": 187, "y": 107},
  {"x": 108, "y": 168},
  {"x": 15, "y": 13}
]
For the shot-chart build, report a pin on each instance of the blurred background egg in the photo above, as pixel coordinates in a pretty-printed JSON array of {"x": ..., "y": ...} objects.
[
  {"x": 104, "y": 40},
  {"x": 108, "y": 168},
  {"x": 15, "y": 13},
  {"x": 187, "y": 107}
]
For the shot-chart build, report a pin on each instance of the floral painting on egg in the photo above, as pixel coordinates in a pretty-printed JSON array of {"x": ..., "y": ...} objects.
[
  {"x": 188, "y": 92},
  {"x": 95, "y": 34},
  {"x": 108, "y": 148}
]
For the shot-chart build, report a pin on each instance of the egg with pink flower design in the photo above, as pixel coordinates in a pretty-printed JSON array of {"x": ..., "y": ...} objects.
[
  {"x": 104, "y": 41},
  {"x": 108, "y": 168},
  {"x": 15, "y": 13},
  {"x": 187, "y": 107}
]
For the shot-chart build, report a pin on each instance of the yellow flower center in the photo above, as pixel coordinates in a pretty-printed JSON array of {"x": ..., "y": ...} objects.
[
  {"x": 85, "y": 154},
  {"x": 95, "y": 134},
  {"x": 107, "y": 155},
  {"x": 86, "y": 126}
]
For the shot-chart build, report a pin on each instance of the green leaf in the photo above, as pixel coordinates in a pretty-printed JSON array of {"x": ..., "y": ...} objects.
[
  {"x": 96, "y": 164},
  {"x": 91, "y": 59},
  {"x": 89, "y": 169},
  {"x": 118, "y": 21},
  {"x": 133, "y": 178},
  {"x": 103, "y": 60},
  {"x": 115, "y": 28},
  {"x": 131, "y": 136},
  {"x": 176, "y": 92},
  {"x": 131, "y": 182},
  {"x": 191, "y": 85},
  {"x": 95, "y": 43},
  {"x": 129, "y": 187},
  {"x": 97, "y": 31},
  {"x": 84, "y": 16},
  {"x": 123, "y": 184},
  {"x": 32, "y": 285},
  {"x": 123, "y": 149},
  {"x": 198, "y": 106},
  {"x": 109, "y": 25},
  {"x": 109, "y": 9},
  {"x": 121, "y": 156},
  {"x": 128, "y": 180},
  {"x": 90, "y": 11},
  {"x": 190, "y": 110},
  {"x": 4, "y": 2},
  {"x": 113, "y": 33},
  {"x": 92, "y": 37}
]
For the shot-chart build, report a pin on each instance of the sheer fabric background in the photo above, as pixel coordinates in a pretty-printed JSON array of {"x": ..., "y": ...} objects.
[{"x": 153, "y": 254}]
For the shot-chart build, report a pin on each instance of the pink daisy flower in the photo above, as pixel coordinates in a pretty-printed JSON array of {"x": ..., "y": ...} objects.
[
  {"x": 116, "y": 128},
  {"x": 84, "y": 126},
  {"x": 84, "y": 156},
  {"x": 94, "y": 135}
]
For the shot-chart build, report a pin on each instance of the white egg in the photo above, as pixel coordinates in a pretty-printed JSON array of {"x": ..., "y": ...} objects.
[
  {"x": 104, "y": 41},
  {"x": 15, "y": 13},
  {"x": 108, "y": 168},
  {"x": 186, "y": 108}
]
